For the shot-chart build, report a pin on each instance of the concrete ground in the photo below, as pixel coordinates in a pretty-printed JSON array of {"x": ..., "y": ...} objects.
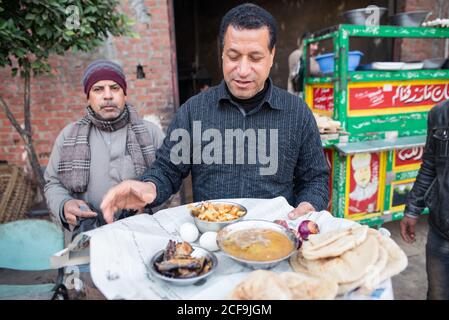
[{"x": 411, "y": 284}]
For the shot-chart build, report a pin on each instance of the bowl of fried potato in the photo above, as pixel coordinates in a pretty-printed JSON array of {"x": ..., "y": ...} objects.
[{"x": 216, "y": 214}]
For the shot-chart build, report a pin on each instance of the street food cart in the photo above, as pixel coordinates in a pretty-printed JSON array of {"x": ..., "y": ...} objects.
[{"x": 376, "y": 155}]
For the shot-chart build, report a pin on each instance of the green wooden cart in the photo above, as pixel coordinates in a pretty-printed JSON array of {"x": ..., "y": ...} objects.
[{"x": 383, "y": 114}]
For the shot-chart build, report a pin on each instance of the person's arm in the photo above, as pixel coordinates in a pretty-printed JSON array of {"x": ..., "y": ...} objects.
[
  {"x": 58, "y": 197},
  {"x": 55, "y": 193},
  {"x": 415, "y": 203},
  {"x": 415, "y": 199},
  {"x": 167, "y": 175},
  {"x": 162, "y": 179},
  {"x": 156, "y": 134},
  {"x": 314, "y": 67},
  {"x": 292, "y": 62},
  {"x": 311, "y": 171}
]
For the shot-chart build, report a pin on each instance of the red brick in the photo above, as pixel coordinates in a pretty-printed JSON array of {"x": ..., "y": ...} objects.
[{"x": 58, "y": 99}]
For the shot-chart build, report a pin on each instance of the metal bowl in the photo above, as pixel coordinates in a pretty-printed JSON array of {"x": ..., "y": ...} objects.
[
  {"x": 198, "y": 252},
  {"x": 205, "y": 226},
  {"x": 409, "y": 19},
  {"x": 224, "y": 233},
  {"x": 362, "y": 16},
  {"x": 434, "y": 63}
]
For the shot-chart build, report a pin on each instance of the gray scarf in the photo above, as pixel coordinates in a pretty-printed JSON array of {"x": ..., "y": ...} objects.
[{"x": 74, "y": 167}]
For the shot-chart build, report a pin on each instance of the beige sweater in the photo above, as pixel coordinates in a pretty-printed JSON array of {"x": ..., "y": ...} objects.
[{"x": 110, "y": 164}]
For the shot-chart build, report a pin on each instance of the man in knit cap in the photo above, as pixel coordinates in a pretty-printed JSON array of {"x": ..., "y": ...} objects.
[{"x": 109, "y": 144}]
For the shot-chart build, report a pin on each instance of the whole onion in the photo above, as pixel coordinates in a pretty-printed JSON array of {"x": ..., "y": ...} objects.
[{"x": 306, "y": 228}]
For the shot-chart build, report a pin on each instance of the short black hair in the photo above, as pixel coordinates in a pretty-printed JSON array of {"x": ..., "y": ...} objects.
[
  {"x": 249, "y": 16},
  {"x": 306, "y": 35}
]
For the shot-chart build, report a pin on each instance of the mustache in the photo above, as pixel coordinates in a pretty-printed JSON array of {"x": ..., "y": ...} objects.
[{"x": 108, "y": 105}]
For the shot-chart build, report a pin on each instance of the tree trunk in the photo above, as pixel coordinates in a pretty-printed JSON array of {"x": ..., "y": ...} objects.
[
  {"x": 28, "y": 139},
  {"x": 26, "y": 134},
  {"x": 34, "y": 162}
]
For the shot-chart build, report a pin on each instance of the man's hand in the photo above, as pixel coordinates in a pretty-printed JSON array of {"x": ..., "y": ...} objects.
[
  {"x": 302, "y": 209},
  {"x": 77, "y": 208},
  {"x": 128, "y": 194},
  {"x": 408, "y": 229}
]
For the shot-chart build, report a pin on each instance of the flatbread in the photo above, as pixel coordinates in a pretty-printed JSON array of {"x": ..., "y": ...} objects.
[
  {"x": 369, "y": 281},
  {"x": 307, "y": 287},
  {"x": 261, "y": 285},
  {"x": 397, "y": 259},
  {"x": 334, "y": 243},
  {"x": 269, "y": 285},
  {"x": 349, "y": 267},
  {"x": 297, "y": 266},
  {"x": 372, "y": 278},
  {"x": 392, "y": 260}
]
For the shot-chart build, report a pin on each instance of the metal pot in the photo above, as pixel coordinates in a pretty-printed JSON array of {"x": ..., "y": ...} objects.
[
  {"x": 362, "y": 16},
  {"x": 434, "y": 63},
  {"x": 410, "y": 19}
]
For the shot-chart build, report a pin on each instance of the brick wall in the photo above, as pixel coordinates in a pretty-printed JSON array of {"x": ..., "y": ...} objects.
[
  {"x": 419, "y": 49},
  {"x": 58, "y": 99}
]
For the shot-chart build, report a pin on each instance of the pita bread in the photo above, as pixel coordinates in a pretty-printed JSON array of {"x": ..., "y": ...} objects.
[
  {"x": 296, "y": 265},
  {"x": 269, "y": 285},
  {"x": 370, "y": 280},
  {"x": 334, "y": 243},
  {"x": 397, "y": 259},
  {"x": 307, "y": 287},
  {"x": 348, "y": 267},
  {"x": 261, "y": 285},
  {"x": 344, "y": 288},
  {"x": 392, "y": 260}
]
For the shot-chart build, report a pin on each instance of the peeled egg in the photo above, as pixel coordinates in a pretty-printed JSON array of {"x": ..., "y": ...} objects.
[
  {"x": 189, "y": 232},
  {"x": 208, "y": 241}
]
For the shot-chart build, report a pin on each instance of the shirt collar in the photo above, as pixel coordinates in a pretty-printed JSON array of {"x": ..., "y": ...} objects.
[{"x": 270, "y": 98}]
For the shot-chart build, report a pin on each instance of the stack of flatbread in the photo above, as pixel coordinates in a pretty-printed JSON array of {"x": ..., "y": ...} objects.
[
  {"x": 326, "y": 124},
  {"x": 269, "y": 285},
  {"x": 357, "y": 257}
]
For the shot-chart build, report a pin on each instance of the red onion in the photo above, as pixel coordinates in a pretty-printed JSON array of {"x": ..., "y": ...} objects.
[
  {"x": 282, "y": 223},
  {"x": 299, "y": 243},
  {"x": 297, "y": 236},
  {"x": 306, "y": 228}
]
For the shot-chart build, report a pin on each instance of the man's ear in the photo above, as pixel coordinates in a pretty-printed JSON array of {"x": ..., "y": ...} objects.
[{"x": 273, "y": 51}]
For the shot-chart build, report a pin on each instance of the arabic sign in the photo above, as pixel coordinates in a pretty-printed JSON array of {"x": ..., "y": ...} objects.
[
  {"x": 397, "y": 96},
  {"x": 323, "y": 98},
  {"x": 407, "y": 158}
]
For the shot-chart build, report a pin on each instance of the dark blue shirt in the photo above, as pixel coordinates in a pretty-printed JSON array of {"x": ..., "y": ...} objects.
[{"x": 273, "y": 150}]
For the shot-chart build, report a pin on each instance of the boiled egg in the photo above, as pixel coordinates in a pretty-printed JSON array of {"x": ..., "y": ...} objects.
[
  {"x": 208, "y": 241},
  {"x": 189, "y": 232}
]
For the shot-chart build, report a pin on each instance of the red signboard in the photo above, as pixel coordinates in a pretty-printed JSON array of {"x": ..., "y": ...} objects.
[
  {"x": 323, "y": 99},
  {"x": 406, "y": 157},
  {"x": 394, "y": 96},
  {"x": 364, "y": 183}
]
